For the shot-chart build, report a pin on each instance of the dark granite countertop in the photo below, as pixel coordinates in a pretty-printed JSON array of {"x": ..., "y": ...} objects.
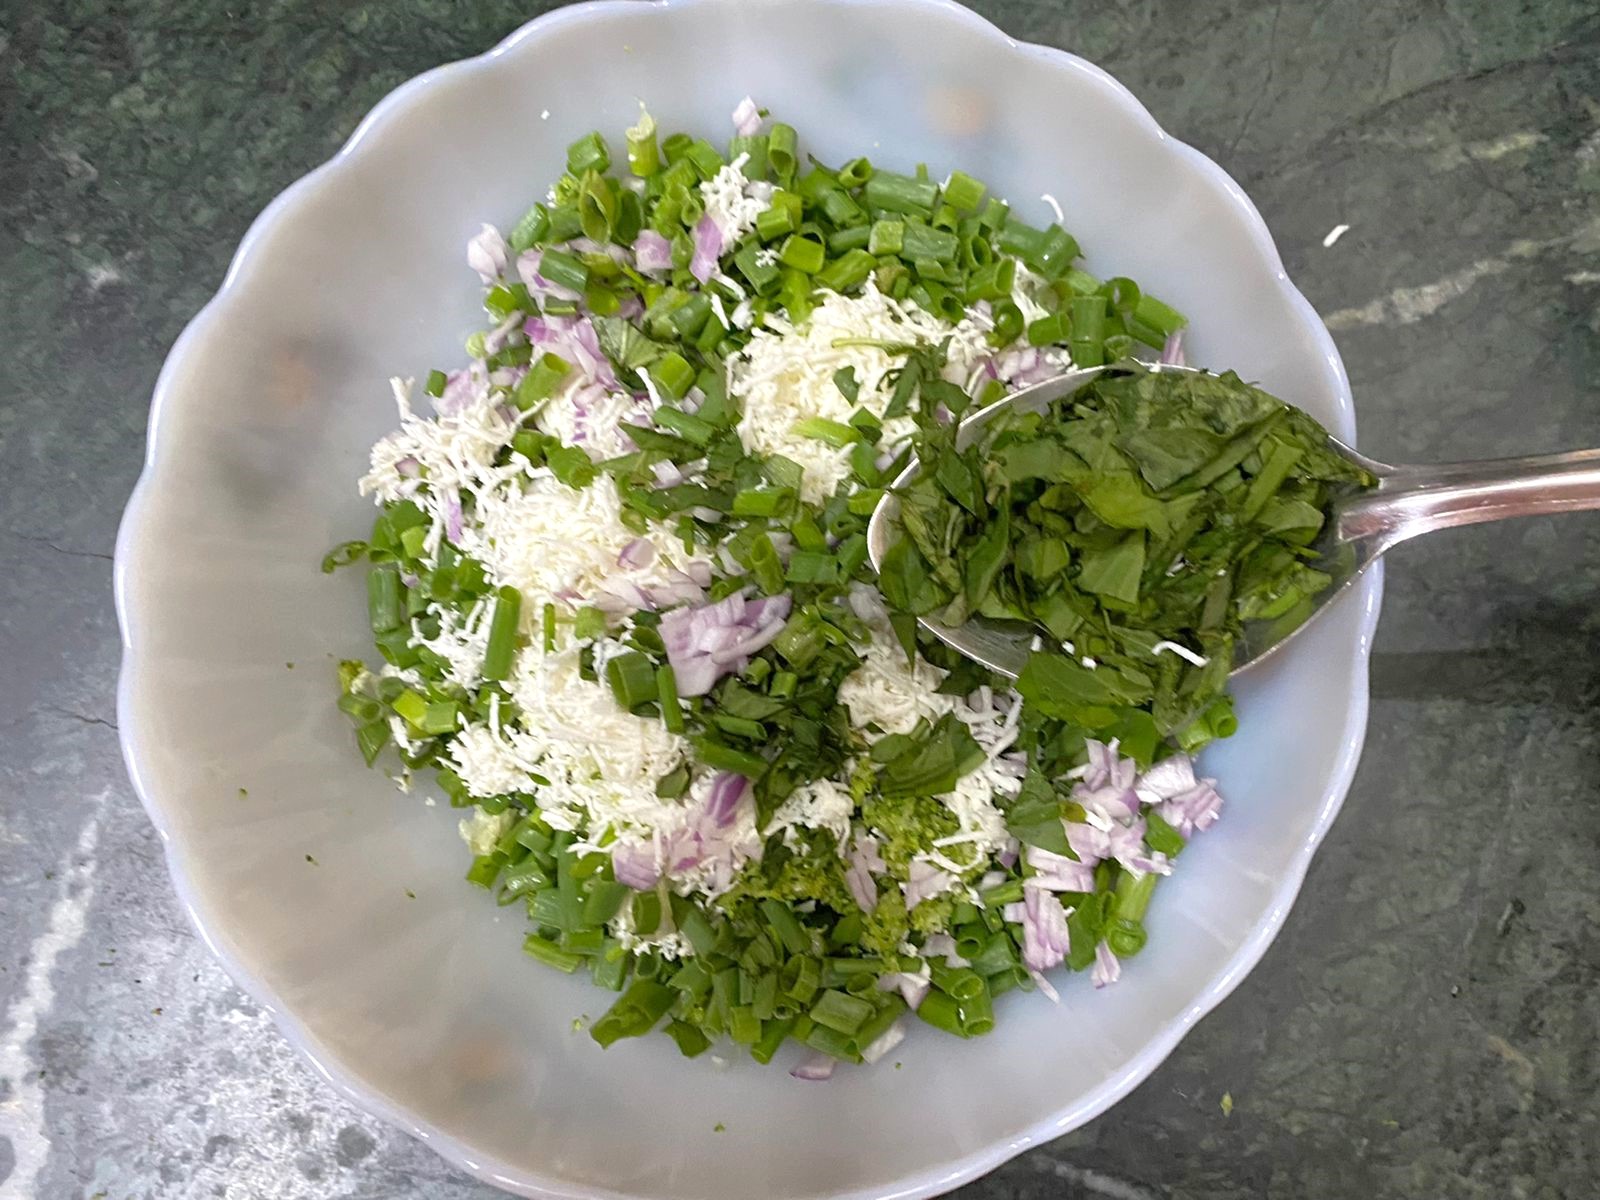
[{"x": 1427, "y": 1025}]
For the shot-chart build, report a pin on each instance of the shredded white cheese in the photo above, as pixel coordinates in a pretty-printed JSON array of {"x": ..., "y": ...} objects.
[
  {"x": 733, "y": 202},
  {"x": 785, "y": 375}
]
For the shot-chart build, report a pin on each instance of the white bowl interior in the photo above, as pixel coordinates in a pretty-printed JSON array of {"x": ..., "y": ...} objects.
[{"x": 424, "y": 1008}]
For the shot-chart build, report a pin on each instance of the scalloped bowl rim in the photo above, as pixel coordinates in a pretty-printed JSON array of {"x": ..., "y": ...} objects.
[{"x": 405, "y": 100}]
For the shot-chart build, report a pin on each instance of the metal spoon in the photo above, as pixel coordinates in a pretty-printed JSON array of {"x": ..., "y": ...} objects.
[{"x": 1405, "y": 502}]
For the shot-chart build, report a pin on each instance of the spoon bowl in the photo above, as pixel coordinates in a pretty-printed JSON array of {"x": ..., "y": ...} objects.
[{"x": 1406, "y": 501}]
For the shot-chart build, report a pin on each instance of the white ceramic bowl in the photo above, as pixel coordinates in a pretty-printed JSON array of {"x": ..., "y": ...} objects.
[{"x": 423, "y": 1010}]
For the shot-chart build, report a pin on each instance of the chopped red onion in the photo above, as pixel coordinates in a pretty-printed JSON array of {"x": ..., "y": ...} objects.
[
  {"x": 707, "y": 249},
  {"x": 1166, "y": 779},
  {"x": 1058, "y": 873},
  {"x": 746, "y": 118},
  {"x": 926, "y": 881},
  {"x": 408, "y": 466},
  {"x": 864, "y": 862},
  {"x": 1044, "y": 986},
  {"x": 635, "y": 866},
  {"x": 1172, "y": 351},
  {"x": 1107, "y": 967},
  {"x": 487, "y": 254},
  {"x": 1193, "y": 810},
  {"x": 706, "y": 642},
  {"x": 462, "y": 389},
  {"x": 497, "y": 338},
  {"x": 637, "y": 554},
  {"x": 816, "y": 1067},
  {"x": 722, "y": 802},
  {"x": 575, "y": 340},
  {"x": 1045, "y": 940},
  {"x": 452, "y": 517},
  {"x": 652, "y": 252}
]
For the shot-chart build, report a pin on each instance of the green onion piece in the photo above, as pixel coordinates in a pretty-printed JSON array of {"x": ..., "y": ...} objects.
[
  {"x": 697, "y": 929},
  {"x": 1087, "y": 341},
  {"x": 800, "y": 978},
  {"x": 856, "y": 237},
  {"x": 550, "y": 954},
  {"x": 545, "y": 374},
  {"x": 667, "y": 697},
  {"x": 763, "y": 502},
  {"x": 740, "y": 726},
  {"x": 764, "y": 277},
  {"x": 635, "y": 1013},
  {"x": 901, "y": 193},
  {"x": 775, "y": 221},
  {"x": 1048, "y": 330},
  {"x": 925, "y": 242},
  {"x": 766, "y": 566},
  {"x": 385, "y": 601},
  {"x": 744, "y": 1027},
  {"x": 754, "y": 148},
  {"x": 1161, "y": 320},
  {"x": 583, "y": 941},
  {"x": 942, "y": 1012},
  {"x": 597, "y": 207},
  {"x": 788, "y": 928},
  {"x": 772, "y": 1036},
  {"x": 835, "y": 433},
  {"x": 371, "y": 739},
  {"x": 726, "y": 758},
  {"x": 1002, "y": 894},
  {"x": 644, "y": 156},
  {"x": 531, "y": 229},
  {"x": 646, "y": 913},
  {"x": 964, "y": 192},
  {"x": 782, "y": 151},
  {"x": 841, "y": 1011},
  {"x": 360, "y": 709},
  {"x": 800, "y": 641},
  {"x": 632, "y": 678},
  {"x": 705, "y": 158},
  {"x": 850, "y": 270},
  {"x": 604, "y": 900},
  {"x": 808, "y": 566},
  {"x": 1008, "y": 323},
  {"x": 609, "y": 968},
  {"x": 436, "y": 383},
  {"x": 855, "y": 173},
  {"x": 588, "y": 623},
  {"x": 1126, "y": 937},
  {"x": 887, "y": 236},
  {"x": 588, "y": 153},
  {"x": 564, "y": 269},
  {"x": 1133, "y": 895},
  {"x": 673, "y": 374},
  {"x": 803, "y": 253},
  {"x": 976, "y": 1013},
  {"x": 691, "y": 1041}
]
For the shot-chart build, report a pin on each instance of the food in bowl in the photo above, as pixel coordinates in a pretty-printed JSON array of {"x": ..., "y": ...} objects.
[{"x": 619, "y": 586}]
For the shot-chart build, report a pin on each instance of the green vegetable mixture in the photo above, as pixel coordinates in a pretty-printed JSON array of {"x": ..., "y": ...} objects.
[{"x": 619, "y": 588}]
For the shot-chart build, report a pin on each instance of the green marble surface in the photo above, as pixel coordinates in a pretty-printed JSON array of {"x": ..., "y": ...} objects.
[{"x": 1426, "y": 1025}]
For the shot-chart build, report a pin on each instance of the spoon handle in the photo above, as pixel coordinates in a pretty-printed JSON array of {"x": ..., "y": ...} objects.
[{"x": 1413, "y": 500}]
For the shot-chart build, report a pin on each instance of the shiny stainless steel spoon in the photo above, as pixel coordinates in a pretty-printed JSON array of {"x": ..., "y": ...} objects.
[{"x": 1405, "y": 502}]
